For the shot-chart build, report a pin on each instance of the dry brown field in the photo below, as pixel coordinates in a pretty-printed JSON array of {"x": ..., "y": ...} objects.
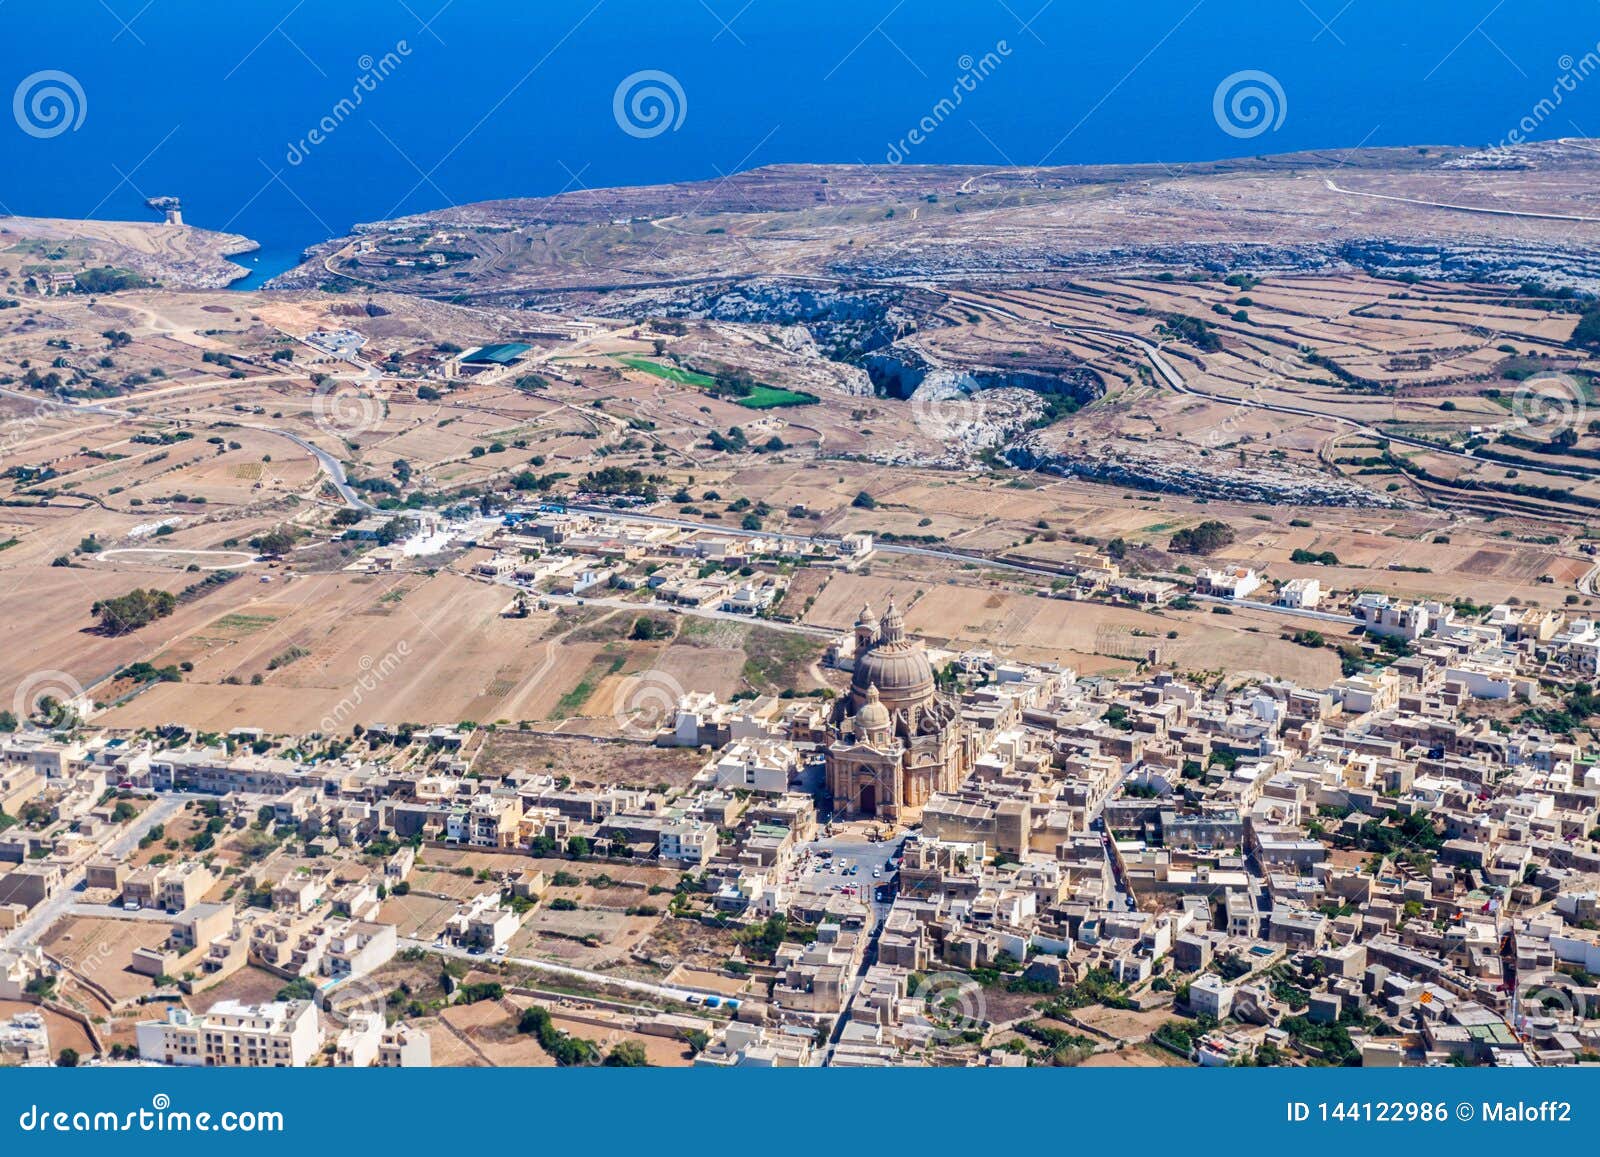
[{"x": 101, "y": 950}]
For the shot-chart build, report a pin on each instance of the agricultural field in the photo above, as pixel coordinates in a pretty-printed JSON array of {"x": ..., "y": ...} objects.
[{"x": 1395, "y": 429}]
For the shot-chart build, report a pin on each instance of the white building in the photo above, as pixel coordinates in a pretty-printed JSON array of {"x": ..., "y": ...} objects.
[
  {"x": 1234, "y": 582},
  {"x": 757, "y": 766},
  {"x": 1302, "y": 594},
  {"x": 282, "y": 1034},
  {"x": 750, "y": 598},
  {"x": 405, "y": 1047},
  {"x": 1409, "y": 621},
  {"x": 357, "y": 1044},
  {"x": 688, "y": 844},
  {"x": 1580, "y": 642},
  {"x": 1210, "y": 995}
]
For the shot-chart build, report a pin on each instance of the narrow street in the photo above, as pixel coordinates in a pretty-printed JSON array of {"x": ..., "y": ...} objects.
[{"x": 117, "y": 846}]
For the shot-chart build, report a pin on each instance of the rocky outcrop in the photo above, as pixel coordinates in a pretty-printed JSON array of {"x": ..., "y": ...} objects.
[
  {"x": 1491, "y": 260},
  {"x": 905, "y": 372},
  {"x": 844, "y": 321},
  {"x": 171, "y": 256},
  {"x": 1193, "y": 478},
  {"x": 955, "y": 427}
]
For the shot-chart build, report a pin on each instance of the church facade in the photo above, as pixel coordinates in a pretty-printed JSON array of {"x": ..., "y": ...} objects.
[{"x": 896, "y": 739}]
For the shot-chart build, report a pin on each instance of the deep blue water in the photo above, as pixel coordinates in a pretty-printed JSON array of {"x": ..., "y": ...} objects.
[{"x": 213, "y": 100}]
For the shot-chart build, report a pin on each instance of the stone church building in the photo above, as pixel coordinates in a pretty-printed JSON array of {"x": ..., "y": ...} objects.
[{"x": 896, "y": 739}]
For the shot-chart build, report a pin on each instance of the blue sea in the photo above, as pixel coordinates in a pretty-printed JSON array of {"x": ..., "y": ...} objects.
[{"x": 290, "y": 120}]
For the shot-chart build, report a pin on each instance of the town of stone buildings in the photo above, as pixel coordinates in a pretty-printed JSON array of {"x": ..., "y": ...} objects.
[{"x": 955, "y": 860}]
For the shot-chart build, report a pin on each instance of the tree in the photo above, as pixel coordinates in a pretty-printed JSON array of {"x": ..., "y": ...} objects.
[
  {"x": 578, "y": 848},
  {"x": 139, "y": 607},
  {"x": 627, "y": 1055},
  {"x": 300, "y": 988},
  {"x": 645, "y": 629},
  {"x": 864, "y": 501},
  {"x": 1209, "y": 536},
  {"x": 274, "y": 543},
  {"x": 567, "y": 1050},
  {"x": 67, "y": 1058},
  {"x": 390, "y": 532}
]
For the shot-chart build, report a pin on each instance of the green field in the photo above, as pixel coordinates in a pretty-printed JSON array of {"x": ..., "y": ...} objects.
[
  {"x": 671, "y": 373},
  {"x": 771, "y": 397},
  {"x": 759, "y": 398}
]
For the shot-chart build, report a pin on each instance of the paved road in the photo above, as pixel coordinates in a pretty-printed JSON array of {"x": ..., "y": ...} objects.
[
  {"x": 1463, "y": 208},
  {"x": 926, "y": 552},
  {"x": 116, "y": 912},
  {"x": 1176, "y": 380},
  {"x": 664, "y": 608},
  {"x": 1296, "y": 612},
  {"x": 1122, "y": 897},
  {"x": 1586, "y": 584},
  {"x": 883, "y": 547},
  {"x": 866, "y": 856},
  {"x": 57, "y": 404},
  {"x": 330, "y": 466},
  {"x": 116, "y": 847},
  {"x": 667, "y": 992},
  {"x": 238, "y": 558}
]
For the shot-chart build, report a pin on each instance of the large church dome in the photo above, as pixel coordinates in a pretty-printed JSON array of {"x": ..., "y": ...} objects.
[{"x": 895, "y": 665}]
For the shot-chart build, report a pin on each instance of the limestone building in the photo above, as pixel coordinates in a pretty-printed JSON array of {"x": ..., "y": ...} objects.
[{"x": 896, "y": 740}]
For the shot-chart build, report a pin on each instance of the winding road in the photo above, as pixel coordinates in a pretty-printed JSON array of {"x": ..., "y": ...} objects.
[
  {"x": 330, "y": 465},
  {"x": 1462, "y": 208},
  {"x": 1176, "y": 380}
]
